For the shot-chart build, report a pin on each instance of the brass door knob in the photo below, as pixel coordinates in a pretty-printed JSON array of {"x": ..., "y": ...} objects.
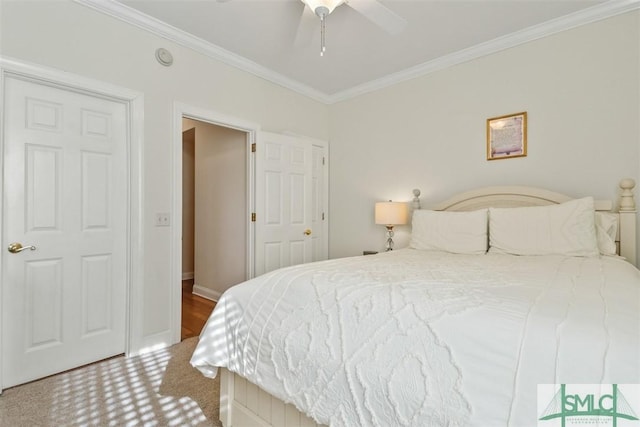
[
  {"x": 15, "y": 248},
  {"x": 307, "y": 232}
]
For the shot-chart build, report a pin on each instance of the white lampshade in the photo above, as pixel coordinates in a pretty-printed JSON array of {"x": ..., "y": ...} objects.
[{"x": 391, "y": 213}]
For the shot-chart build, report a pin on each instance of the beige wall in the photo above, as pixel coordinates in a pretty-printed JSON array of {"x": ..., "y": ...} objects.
[
  {"x": 74, "y": 38},
  {"x": 220, "y": 221},
  {"x": 582, "y": 94},
  {"x": 188, "y": 200}
]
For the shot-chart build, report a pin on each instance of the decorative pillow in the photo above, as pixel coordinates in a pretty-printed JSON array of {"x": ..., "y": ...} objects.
[
  {"x": 456, "y": 232},
  {"x": 606, "y": 230},
  {"x": 564, "y": 229}
]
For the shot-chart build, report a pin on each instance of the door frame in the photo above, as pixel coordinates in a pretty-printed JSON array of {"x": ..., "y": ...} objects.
[
  {"x": 181, "y": 110},
  {"x": 134, "y": 103}
]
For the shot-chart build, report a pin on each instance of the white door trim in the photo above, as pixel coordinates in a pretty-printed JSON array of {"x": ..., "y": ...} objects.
[
  {"x": 134, "y": 102},
  {"x": 181, "y": 110}
]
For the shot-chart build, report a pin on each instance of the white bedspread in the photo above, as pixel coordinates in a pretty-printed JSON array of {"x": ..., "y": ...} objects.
[{"x": 427, "y": 338}]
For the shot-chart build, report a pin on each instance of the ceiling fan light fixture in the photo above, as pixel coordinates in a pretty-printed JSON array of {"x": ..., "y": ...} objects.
[{"x": 322, "y": 7}]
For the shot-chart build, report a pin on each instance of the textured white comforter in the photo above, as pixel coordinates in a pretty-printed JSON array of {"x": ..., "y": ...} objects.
[{"x": 428, "y": 338}]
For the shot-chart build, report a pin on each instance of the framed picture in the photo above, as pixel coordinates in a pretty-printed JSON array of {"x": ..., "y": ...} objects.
[{"x": 507, "y": 136}]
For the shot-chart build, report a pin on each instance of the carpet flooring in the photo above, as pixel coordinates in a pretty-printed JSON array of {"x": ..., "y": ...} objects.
[{"x": 155, "y": 389}]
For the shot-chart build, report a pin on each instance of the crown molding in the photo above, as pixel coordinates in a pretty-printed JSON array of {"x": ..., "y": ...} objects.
[
  {"x": 127, "y": 14},
  {"x": 166, "y": 31},
  {"x": 583, "y": 17}
]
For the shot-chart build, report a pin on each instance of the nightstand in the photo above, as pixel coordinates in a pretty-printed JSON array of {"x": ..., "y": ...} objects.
[{"x": 369, "y": 252}]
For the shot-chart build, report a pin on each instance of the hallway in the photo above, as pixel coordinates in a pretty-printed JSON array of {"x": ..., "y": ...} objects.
[{"x": 195, "y": 311}]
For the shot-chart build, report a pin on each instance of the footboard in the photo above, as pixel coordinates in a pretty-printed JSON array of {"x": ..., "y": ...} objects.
[{"x": 244, "y": 404}]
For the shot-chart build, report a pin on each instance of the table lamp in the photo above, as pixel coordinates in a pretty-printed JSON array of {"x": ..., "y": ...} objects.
[{"x": 390, "y": 214}]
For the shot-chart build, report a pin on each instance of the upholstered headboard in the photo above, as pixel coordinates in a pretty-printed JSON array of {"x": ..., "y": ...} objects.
[{"x": 517, "y": 196}]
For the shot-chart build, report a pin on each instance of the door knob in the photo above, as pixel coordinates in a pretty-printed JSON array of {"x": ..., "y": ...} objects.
[
  {"x": 14, "y": 248},
  {"x": 307, "y": 232}
]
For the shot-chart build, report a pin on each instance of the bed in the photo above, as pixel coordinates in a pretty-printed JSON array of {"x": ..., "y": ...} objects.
[{"x": 454, "y": 330}]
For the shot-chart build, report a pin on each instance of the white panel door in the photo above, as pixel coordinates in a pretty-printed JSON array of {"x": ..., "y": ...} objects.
[
  {"x": 65, "y": 193},
  {"x": 283, "y": 202}
]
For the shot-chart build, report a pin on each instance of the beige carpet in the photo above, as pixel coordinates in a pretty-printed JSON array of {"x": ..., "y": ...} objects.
[{"x": 155, "y": 389}]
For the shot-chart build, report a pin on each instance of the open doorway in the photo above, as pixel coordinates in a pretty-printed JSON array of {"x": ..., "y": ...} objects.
[
  {"x": 214, "y": 217},
  {"x": 250, "y": 204}
]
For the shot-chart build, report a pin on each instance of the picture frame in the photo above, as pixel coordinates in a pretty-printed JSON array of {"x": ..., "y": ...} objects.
[{"x": 507, "y": 136}]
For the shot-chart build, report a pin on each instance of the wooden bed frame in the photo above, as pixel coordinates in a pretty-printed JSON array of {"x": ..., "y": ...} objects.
[{"x": 243, "y": 404}]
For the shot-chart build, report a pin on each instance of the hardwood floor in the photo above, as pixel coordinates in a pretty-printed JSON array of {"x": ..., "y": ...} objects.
[{"x": 195, "y": 311}]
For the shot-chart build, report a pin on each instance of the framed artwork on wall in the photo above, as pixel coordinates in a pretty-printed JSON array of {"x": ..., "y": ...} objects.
[{"x": 507, "y": 136}]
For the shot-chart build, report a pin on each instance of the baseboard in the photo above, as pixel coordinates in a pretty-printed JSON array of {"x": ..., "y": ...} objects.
[
  {"x": 188, "y": 276},
  {"x": 207, "y": 293}
]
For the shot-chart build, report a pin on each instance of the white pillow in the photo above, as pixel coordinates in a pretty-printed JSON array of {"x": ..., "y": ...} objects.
[
  {"x": 564, "y": 229},
  {"x": 606, "y": 230},
  {"x": 456, "y": 232}
]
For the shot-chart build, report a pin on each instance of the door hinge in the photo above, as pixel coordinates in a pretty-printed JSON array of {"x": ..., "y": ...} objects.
[
  {"x": 322, "y": 161},
  {"x": 253, "y": 217},
  {"x": 323, "y": 216},
  {"x": 253, "y": 147}
]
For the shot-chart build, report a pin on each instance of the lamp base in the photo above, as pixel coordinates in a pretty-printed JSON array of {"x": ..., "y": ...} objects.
[{"x": 389, "y": 246}]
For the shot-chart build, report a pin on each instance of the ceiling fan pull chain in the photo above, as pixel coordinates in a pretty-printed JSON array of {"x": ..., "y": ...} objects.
[
  {"x": 322, "y": 12},
  {"x": 322, "y": 31}
]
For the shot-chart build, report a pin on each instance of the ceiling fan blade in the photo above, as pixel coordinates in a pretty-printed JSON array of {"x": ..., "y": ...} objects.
[
  {"x": 307, "y": 25},
  {"x": 379, "y": 14}
]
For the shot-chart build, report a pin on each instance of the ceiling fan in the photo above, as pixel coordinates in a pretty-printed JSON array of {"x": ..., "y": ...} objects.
[{"x": 373, "y": 10}]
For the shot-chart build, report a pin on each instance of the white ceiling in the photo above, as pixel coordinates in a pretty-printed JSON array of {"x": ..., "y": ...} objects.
[{"x": 259, "y": 35}]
